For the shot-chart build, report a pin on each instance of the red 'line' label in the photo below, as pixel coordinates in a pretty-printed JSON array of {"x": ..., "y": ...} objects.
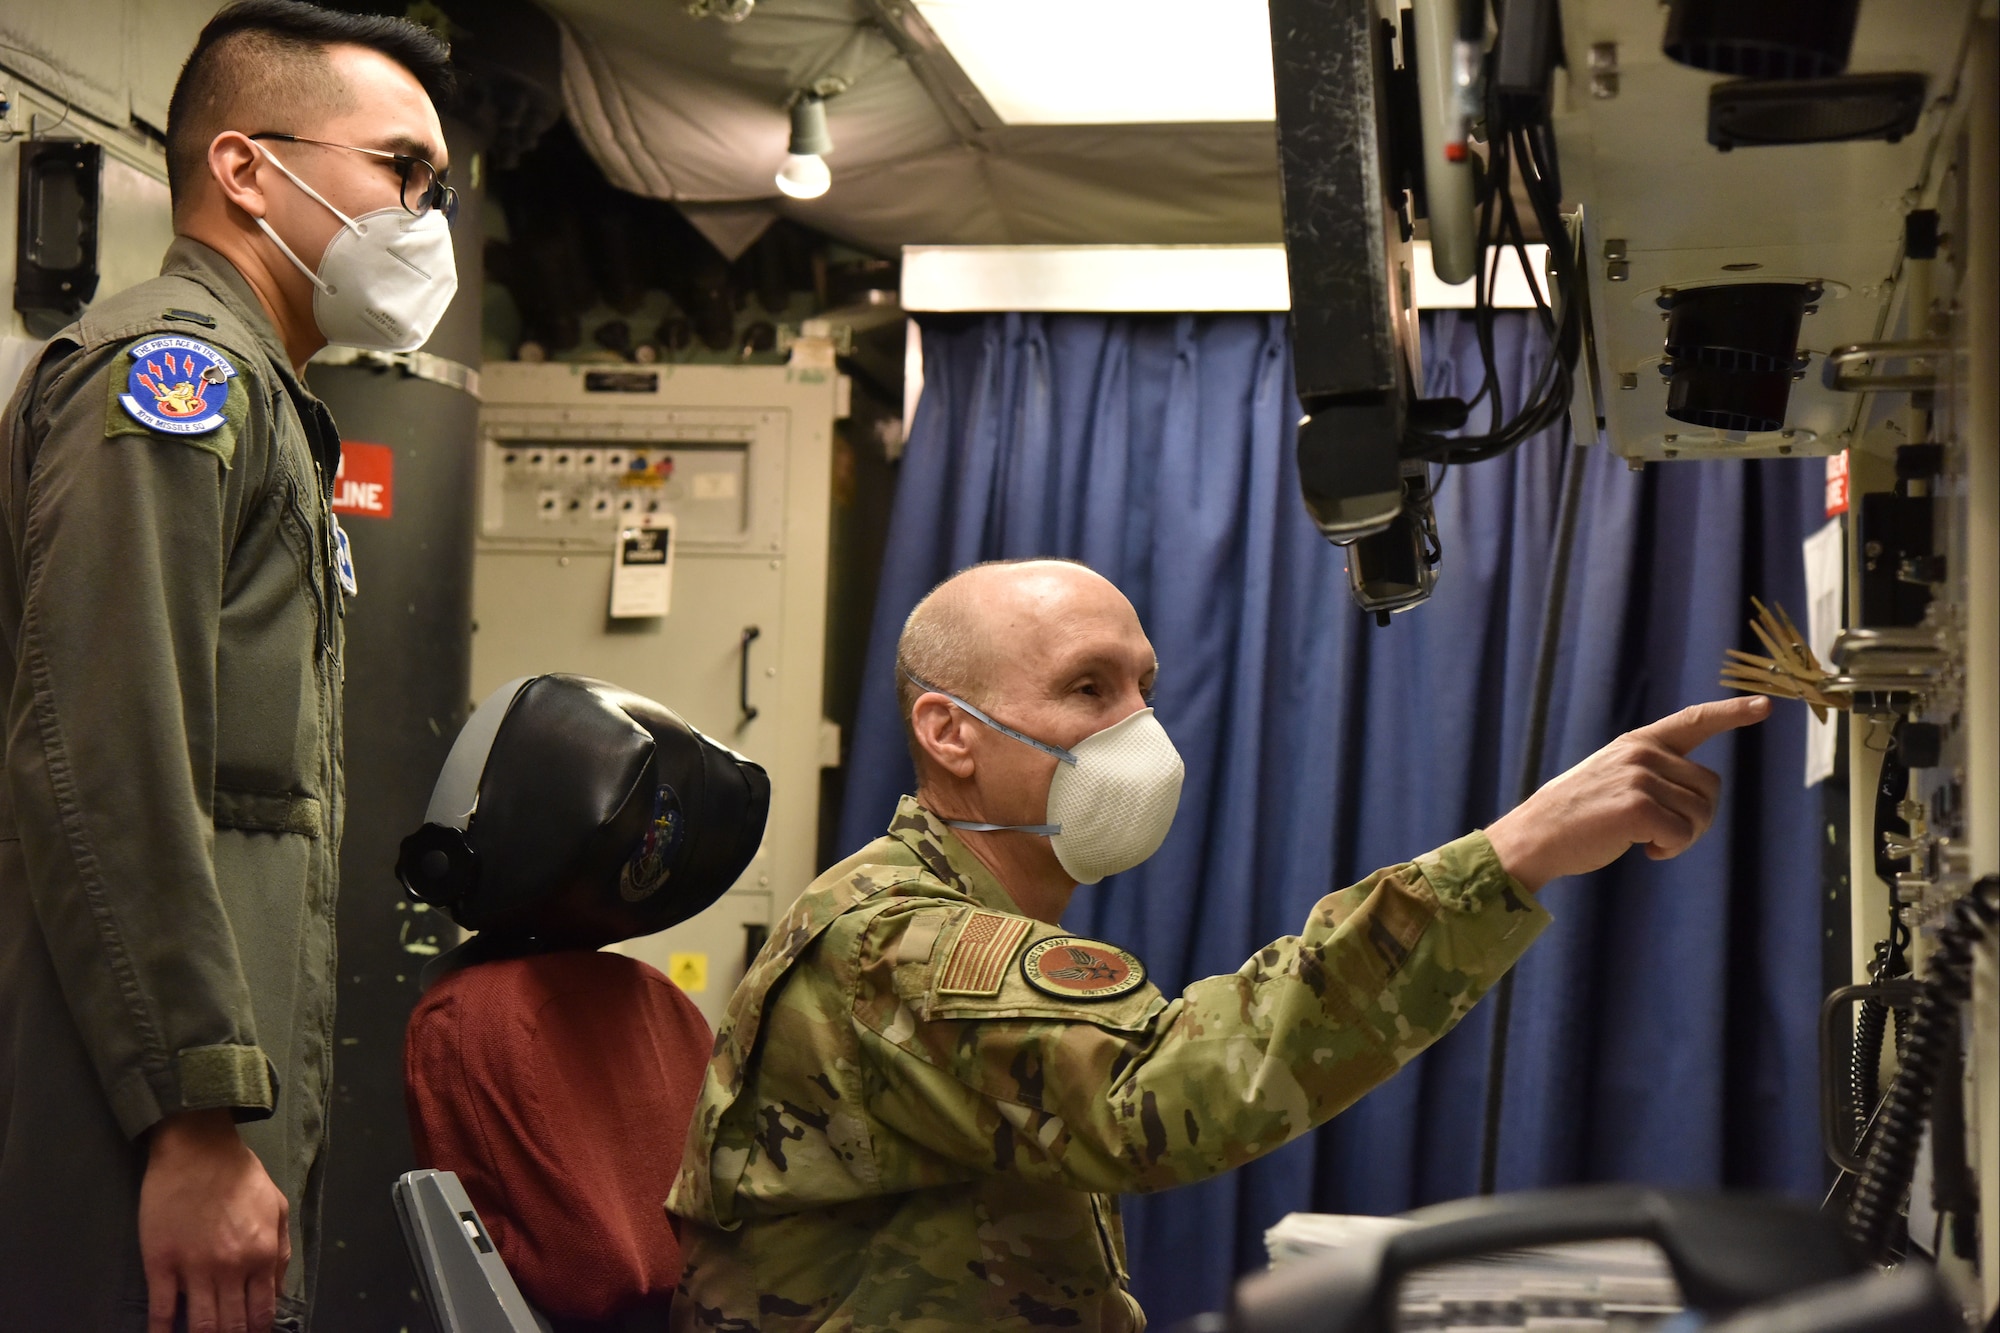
[{"x": 364, "y": 483}]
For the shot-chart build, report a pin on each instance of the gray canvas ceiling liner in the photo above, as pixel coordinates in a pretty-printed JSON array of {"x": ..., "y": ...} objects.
[{"x": 693, "y": 110}]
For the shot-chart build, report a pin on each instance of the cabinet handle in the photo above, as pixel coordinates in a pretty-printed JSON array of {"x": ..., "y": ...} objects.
[
  {"x": 749, "y": 710},
  {"x": 755, "y": 936},
  {"x": 1842, "y": 369}
]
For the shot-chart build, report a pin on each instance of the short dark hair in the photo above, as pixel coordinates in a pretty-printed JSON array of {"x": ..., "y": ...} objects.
[{"x": 274, "y": 51}]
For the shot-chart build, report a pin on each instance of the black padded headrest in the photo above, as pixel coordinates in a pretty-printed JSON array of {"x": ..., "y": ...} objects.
[{"x": 575, "y": 813}]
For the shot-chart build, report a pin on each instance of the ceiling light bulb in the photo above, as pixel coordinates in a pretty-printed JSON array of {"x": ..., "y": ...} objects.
[
  {"x": 809, "y": 134},
  {"x": 804, "y": 176}
]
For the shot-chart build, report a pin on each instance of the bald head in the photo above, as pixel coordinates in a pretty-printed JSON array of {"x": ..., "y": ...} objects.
[{"x": 1014, "y": 636}]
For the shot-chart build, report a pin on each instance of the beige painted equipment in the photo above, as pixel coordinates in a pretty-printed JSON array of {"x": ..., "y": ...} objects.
[
  {"x": 573, "y": 455},
  {"x": 1664, "y": 211},
  {"x": 1902, "y": 347}
]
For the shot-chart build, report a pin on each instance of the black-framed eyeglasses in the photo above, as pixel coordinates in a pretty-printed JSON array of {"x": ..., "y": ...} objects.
[{"x": 424, "y": 185}]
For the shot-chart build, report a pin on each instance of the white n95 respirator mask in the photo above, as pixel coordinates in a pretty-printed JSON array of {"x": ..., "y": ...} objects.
[
  {"x": 386, "y": 276},
  {"x": 1112, "y": 799}
]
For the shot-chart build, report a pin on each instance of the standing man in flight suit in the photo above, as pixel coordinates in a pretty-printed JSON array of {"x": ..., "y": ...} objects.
[
  {"x": 926, "y": 1095},
  {"x": 171, "y": 593}
]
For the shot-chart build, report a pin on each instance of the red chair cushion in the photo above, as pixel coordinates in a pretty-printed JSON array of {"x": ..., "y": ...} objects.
[{"x": 559, "y": 1088}]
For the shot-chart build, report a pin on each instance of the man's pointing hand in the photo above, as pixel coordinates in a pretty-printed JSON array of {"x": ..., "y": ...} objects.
[{"x": 1642, "y": 788}]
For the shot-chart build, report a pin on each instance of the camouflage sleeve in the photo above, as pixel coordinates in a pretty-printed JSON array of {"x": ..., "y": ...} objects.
[{"x": 1141, "y": 1092}]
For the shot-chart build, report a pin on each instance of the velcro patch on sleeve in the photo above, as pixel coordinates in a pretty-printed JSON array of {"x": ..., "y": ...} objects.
[
  {"x": 1070, "y": 968},
  {"x": 181, "y": 388},
  {"x": 978, "y": 960},
  {"x": 919, "y": 939}
]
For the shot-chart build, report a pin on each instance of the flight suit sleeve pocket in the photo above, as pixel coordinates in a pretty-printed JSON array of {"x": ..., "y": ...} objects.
[
  {"x": 269, "y": 812},
  {"x": 236, "y": 1078}
]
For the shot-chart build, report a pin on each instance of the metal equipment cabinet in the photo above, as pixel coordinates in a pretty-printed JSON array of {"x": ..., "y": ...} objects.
[{"x": 739, "y": 458}]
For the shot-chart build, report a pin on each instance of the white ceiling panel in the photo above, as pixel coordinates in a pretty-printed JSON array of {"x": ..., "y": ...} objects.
[
  {"x": 693, "y": 110},
  {"x": 1110, "y": 62}
]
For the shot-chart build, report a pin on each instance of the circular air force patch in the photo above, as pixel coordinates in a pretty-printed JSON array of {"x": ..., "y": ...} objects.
[
  {"x": 652, "y": 863},
  {"x": 1077, "y": 969},
  {"x": 177, "y": 385}
]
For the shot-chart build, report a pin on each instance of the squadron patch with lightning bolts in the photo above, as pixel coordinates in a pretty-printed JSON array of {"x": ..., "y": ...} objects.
[
  {"x": 177, "y": 385},
  {"x": 1080, "y": 969}
]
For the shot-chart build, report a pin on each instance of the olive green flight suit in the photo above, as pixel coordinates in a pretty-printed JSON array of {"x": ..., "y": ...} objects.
[
  {"x": 921, "y": 1110},
  {"x": 170, "y": 662}
]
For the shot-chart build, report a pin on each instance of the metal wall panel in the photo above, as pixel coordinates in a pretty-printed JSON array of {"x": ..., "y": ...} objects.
[{"x": 750, "y": 449}]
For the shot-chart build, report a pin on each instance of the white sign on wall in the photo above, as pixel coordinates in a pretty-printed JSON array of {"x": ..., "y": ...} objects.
[
  {"x": 642, "y": 569},
  {"x": 1826, "y": 564}
]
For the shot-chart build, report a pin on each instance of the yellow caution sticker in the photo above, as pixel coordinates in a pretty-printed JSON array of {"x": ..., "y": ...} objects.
[{"x": 689, "y": 971}]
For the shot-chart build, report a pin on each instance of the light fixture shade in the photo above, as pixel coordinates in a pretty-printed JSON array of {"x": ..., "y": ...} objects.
[
  {"x": 804, "y": 176},
  {"x": 809, "y": 136}
]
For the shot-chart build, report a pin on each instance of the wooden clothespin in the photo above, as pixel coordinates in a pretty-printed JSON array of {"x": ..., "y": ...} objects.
[{"x": 1790, "y": 672}]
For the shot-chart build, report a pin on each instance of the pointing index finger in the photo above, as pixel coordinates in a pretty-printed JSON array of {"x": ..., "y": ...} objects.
[{"x": 1683, "y": 731}]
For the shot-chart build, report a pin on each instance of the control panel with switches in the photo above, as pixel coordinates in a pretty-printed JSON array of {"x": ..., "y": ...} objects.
[
  {"x": 567, "y": 477},
  {"x": 738, "y": 459},
  {"x": 557, "y": 488}
]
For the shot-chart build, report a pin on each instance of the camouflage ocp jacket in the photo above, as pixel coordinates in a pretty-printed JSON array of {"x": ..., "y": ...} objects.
[{"x": 923, "y": 1104}]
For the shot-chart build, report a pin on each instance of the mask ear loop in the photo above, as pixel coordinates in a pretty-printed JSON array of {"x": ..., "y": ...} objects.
[
  {"x": 1054, "y": 751},
  {"x": 326, "y": 288},
  {"x": 1044, "y": 830}
]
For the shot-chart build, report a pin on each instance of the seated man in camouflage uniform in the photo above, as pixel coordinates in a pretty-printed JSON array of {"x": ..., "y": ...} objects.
[{"x": 926, "y": 1096}]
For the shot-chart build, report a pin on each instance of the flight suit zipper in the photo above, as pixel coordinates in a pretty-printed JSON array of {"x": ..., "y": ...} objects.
[{"x": 315, "y": 555}]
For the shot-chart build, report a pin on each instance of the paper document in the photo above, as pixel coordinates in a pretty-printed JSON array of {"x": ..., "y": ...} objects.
[
  {"x": 642, "y": 569},
  {"x": 1826, "y": 566}
]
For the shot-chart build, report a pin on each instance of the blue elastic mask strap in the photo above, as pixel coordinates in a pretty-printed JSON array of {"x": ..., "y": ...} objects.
[
  {"x": 1064, "y": 755},
  {"x": 1045, "y": 830}
]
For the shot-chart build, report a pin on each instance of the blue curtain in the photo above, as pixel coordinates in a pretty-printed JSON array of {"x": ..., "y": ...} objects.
[{"x": 1663, "y": 1029}]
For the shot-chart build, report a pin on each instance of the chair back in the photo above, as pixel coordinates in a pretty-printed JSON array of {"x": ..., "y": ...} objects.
[
  {"x": 465, "y": 1284},
  {"x": 559, "y": 1087}
]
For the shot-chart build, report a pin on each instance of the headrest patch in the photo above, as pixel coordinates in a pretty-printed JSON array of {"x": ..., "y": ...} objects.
[{"x": 651, "y": 864}]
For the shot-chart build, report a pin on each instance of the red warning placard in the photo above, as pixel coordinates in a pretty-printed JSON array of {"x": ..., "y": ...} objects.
[
  {"x": 365, "y": 481},
  {"x": 1836, "y": 483}
]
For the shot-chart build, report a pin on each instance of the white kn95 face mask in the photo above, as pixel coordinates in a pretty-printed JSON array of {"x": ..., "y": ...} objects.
[
  {"x": 1112, "y": 799},
  {"x": 386, "y": 276}
]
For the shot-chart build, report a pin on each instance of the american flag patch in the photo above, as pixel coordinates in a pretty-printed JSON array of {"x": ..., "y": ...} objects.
[{"x": 978, "y": 959}]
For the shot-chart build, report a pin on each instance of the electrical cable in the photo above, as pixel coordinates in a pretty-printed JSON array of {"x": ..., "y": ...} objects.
[
  {"x": 1496, "y": 1075},
  {"x": 1890, "y": 963},
  {"x": 1864, "y": 1063},
  {"x": 1535, "y": 743},
  {"x": 1500, "y": 232},
  {"x": 7, "y": 135},
  {"x": 1860, "y": 1144},
  {"x": 1524, "y": 143},
  {"x": 1885, "y": 1179}
]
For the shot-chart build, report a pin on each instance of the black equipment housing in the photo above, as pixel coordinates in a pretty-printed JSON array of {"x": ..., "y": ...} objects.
[
  {"x": 55, "y": 236},
  {"x": 1749, "y": 113},
  {"x": 1354, "y": 323},
  {"x": 1762, "y": 39},
  {"x": 599, "y": 815},
  {"x": 1732, "y": 352},
  {"x": 1726, "y": 1252}
]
